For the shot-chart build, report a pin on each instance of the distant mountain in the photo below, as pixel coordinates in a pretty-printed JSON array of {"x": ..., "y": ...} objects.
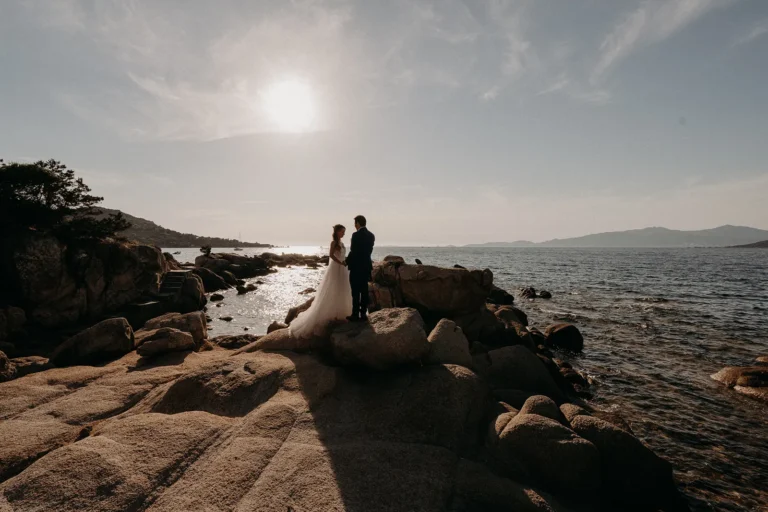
[
  {"x": 722, "y": 236},
  {"x": 147, "y": 232},
  {"x": 519, "y": 243},
  {"x": 756, "y": 245}
]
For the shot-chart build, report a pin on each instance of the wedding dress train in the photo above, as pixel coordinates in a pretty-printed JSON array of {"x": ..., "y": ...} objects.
[{"x": 333, "y": 300}]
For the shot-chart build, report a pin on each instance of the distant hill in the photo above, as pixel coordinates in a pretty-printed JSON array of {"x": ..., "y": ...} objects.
[
  {"x": 722, "y": 236},
  {"x": 147, "y": 232},
  {"x": 756, "y": 245},
  {"x": 519, "y": 243}
]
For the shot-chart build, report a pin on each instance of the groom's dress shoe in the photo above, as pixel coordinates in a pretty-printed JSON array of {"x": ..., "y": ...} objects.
[{"x": 363, "y": 318}]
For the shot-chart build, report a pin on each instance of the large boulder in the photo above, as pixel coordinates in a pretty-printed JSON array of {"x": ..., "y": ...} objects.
[
  {"x": 7, "y": 368},
  {"x": 550, "y": 454},
  {"x": 212, "y": 262},
  {"x": 382, "y": 297},
  {"x": 632, "y": 474},
  {"x": 109, "y": 339},
  {"x": 391, "y": 337},
  {"x": 61, "y": 285},
  {"x": 543, "y": 406},
  {"x": 443, "y": 291},
  {"x": 516, "y": 367},
  {"x": 748, "y": 380},
  {"x": 240, "y": 266},
  {"x": 194, "y": 323},
  {"x": 511, "y": 315},
  {"x": 482, "y": 326},
  {"x": 212, "y": 282},
  {"x": 164, "y": 340},
  {"x": 565, "y": 336},
  {"x": 499, "y": 296},
  {"x": 192, "y": 295},
  {"x": 479, "y": 489},
  {"x": 448, "y": 345}
]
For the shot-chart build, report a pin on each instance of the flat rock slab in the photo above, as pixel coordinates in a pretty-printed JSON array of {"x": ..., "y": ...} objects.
[{"x": 251, "y": 431}]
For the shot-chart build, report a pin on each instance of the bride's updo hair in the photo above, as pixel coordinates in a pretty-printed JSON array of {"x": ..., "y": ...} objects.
[{"x": 336, "y": 229}]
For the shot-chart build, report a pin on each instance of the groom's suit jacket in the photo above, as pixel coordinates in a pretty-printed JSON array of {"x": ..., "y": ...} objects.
[{"x": 359, "y": 258}]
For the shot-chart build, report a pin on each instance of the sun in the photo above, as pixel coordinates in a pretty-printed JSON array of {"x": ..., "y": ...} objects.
[{"x": 290, "y": 105}]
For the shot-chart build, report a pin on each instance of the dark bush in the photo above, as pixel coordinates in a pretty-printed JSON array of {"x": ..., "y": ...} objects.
[{"x": 47, "y": 197}]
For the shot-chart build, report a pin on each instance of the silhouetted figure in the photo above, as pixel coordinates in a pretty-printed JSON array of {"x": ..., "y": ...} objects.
[{"x": 360, "y": 266}]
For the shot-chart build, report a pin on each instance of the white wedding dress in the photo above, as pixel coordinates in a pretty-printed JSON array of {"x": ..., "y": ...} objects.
[{"x": 333, "y": 300}]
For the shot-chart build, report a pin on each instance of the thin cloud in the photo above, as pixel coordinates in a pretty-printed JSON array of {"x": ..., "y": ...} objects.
[
  {"x": 559, "y": 85},
  {"x": 758, "y": 30},
  {"x": 652, "y": 23}
]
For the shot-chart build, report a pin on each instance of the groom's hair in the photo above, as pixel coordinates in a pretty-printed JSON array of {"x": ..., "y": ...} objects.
[{"x": 360, "y": 220}]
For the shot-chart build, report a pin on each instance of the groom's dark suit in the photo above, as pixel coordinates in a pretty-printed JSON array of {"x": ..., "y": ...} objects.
[{"x": 360, "y": 267}]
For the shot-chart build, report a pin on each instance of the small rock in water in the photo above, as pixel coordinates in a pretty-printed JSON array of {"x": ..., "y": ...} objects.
[
  {"x": 259, "y": 282},
  {"x": 307, "y": 291},
  {"x": 219, "y": 304},
  {"x": 418, "y": 261},
  {"x": 245, "y": 328},
  {"x": 227, "y": 318},
  {"x": 565, "y": 336},
  {"x": 544, "y": 294},
  {"x": 528, "y": 292},
  {"x": 216, "y": 297},
  {"x": 459, "y": 266}
]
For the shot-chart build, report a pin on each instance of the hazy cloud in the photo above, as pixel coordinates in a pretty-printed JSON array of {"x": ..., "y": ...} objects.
[
  {"x": 652, "y": 22},
  {"x": 756, "y": 31}
]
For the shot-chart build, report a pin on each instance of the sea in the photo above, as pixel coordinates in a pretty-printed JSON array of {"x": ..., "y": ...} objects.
[{"x": 656, "y": 322}]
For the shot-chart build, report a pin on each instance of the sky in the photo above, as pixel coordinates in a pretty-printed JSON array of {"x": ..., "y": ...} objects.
[{"x": 443, "y": 122}]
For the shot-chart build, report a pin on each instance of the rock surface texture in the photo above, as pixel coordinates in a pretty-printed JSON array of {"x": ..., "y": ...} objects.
[
  {"x": 391, "y": 337},
  {"x": 62, "y": 286},
  {"x": 373, "y": 417}
]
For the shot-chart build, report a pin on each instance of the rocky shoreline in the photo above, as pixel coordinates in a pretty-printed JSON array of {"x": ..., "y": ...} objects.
[{"x": 446, "y": 400}]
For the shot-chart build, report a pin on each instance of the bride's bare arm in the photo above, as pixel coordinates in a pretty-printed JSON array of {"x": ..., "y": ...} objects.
[{"x": 333, "y": 254}]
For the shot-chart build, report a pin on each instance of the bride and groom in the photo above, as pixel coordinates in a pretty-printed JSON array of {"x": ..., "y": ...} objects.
[{"x": 344, "y": 286}]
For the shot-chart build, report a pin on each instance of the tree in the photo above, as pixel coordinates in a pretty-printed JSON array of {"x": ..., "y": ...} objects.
[{"x": 47, "y": 197}]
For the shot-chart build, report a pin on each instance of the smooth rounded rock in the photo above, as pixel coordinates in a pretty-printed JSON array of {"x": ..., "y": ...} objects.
[
  {"x": 193, "y": 323},
  {"x": 390, "y": 338},
  {"x": 565, "y": 336},
  {"x": 165, "y": 340},
  {"x": 543, "y": 406},
  {"x": 550, "y": 454},
  {"x": 517, "y": 367},
  {"x": 448, "y": 345},
  {"x": 631, "y": 472},
  {"x": 108, "y": 339}
]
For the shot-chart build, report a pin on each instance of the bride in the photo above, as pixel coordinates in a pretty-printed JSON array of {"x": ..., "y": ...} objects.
[{"x": 333, "y": 300}]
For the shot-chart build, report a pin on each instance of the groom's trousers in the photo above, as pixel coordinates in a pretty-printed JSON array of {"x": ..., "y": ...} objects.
[{"x": 359, "y": 283}]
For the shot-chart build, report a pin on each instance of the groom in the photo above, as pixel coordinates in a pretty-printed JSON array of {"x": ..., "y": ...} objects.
[{"x": 360, "y": 267}]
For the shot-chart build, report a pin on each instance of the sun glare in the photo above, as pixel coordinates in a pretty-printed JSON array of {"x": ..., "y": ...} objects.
[{"x": 290, "y": 105}]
